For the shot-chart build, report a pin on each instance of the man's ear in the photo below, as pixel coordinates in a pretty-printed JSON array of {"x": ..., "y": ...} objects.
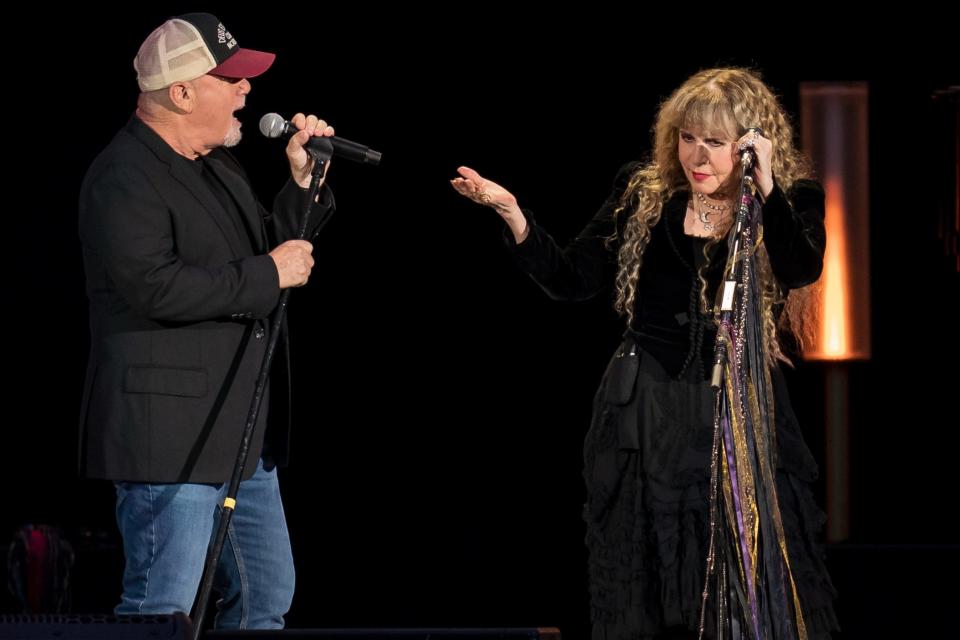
[{"x": 183, "y": 96}]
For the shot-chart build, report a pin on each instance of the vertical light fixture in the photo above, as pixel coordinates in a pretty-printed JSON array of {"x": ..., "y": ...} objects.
[{"x": 834, "y": 128}]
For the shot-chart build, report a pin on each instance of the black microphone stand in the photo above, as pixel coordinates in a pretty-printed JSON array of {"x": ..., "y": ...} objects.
[{"x": 321, "y": 154}]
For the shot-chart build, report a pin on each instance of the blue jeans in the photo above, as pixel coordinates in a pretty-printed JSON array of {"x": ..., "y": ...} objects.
[{"x": 166, "y": 531}]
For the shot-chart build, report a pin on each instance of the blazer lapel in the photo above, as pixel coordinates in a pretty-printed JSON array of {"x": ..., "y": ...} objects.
[
  {"x": 191, "y": 179},
  {"x": 245, "y": 200}
]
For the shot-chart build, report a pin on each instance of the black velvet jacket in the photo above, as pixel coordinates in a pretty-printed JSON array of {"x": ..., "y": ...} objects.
[{"x": 667, "y": 316}]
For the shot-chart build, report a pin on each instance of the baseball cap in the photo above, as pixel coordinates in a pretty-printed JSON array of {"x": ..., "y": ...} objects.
[{"x": 191, "y": 45}]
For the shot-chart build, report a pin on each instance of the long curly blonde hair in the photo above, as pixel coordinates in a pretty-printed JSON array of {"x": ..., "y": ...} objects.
[{"x": 725, "y": 100}]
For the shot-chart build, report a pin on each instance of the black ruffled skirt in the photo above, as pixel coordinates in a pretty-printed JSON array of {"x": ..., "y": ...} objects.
[{"x": 647, "y": 470}]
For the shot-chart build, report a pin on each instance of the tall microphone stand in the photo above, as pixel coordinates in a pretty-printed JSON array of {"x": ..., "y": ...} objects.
[
  {"x": 321, "y": 154},
  {"x": 731, "y": 323},
  {"x": 756, "y": 593}
]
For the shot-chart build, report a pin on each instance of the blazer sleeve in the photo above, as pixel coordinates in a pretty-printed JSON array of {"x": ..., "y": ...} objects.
[{"x": 283, "y": 222}]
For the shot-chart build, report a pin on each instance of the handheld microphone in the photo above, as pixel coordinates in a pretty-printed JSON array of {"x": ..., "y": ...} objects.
[{"x": 273, "y": 125}]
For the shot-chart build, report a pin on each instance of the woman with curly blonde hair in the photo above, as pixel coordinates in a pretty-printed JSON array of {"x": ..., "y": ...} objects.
[{"x": 647, "y": 454}]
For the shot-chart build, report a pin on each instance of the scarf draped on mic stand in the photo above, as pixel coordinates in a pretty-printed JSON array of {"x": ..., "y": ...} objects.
[{"x": 748, "y": 560}]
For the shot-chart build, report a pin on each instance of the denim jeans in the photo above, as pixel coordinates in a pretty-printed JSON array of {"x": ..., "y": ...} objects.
[{"x": 166, "y": 530}]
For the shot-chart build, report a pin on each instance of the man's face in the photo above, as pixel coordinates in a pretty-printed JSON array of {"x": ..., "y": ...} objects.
[{"x": 218, "y": 99}]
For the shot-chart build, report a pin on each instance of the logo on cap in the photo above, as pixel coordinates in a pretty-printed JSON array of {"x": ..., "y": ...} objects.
[{"x": 224, "y": 37}]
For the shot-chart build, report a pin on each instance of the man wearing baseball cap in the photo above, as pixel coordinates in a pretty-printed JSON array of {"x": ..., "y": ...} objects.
[{"x": 183, "y": 268}]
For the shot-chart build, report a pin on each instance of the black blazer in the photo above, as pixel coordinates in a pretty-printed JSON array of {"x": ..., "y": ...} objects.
[{"x": 180, "y": 292}]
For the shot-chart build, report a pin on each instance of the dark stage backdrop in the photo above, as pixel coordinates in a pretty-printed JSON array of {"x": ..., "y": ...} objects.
[{"x": 440, "y": 398}]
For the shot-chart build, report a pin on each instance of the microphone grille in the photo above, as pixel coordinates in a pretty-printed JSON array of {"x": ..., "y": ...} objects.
[{"x": 272, "y": 125}]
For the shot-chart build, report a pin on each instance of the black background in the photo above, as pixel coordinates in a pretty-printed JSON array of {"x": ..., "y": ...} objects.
[{"x": 440, "y": 398}]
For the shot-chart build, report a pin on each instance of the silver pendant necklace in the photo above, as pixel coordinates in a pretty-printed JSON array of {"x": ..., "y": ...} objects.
[{"x": 704, "y": 215}]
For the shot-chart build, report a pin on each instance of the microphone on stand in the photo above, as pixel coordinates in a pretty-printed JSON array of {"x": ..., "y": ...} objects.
[{"x": 273, "y": 125}]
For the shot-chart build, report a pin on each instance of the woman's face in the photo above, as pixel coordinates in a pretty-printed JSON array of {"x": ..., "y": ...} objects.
[{"x": 708, "y": 159}]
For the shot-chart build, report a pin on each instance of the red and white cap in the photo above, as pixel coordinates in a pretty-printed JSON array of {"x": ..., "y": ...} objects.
[{"x": 191, "y": 45}]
